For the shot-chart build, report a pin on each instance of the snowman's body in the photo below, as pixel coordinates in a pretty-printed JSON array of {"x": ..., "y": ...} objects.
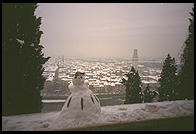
[{"x": 81, "y": 107}]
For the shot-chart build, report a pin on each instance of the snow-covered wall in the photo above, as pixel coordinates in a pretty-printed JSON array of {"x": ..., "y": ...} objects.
[{"x": 109, "y": 114}]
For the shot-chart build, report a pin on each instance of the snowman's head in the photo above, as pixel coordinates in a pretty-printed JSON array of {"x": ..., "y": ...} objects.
[{"x": 78, "y": 79}]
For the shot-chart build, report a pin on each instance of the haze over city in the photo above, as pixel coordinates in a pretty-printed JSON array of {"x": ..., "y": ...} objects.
[{"x": 113, "y": 29}]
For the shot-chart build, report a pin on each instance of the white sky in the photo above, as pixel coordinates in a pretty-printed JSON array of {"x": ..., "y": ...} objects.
[{"x": 113, "y": 29}]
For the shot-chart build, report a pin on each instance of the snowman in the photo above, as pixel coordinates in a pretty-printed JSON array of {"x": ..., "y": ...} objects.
[{"x": 82, "y": 107}]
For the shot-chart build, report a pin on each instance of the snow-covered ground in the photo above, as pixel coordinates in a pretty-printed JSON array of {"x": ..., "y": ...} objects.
[{"x": 109, "y": 114}]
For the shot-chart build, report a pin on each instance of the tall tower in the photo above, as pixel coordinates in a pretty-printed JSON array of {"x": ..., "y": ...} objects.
[
  {"x": 63, "y": 60},
  {"x": 135, "y": 59}
]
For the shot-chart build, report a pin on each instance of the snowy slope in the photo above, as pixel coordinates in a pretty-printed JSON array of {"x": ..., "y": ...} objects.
[{"x": 109, "y": 114}]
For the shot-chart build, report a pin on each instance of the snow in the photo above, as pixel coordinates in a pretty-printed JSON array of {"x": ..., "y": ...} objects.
[
  {"x": 151, "y": 76},
  {"x": 147, "y": 82},
  {"x": 51, "y": 68},
  {"x": 50, "y": 77},
  {"x": 109, "y": 114},
  {"x": 52, "y": 101},
  {"x": 20, "y": 41},
  {"x": 140, "y": 65}
]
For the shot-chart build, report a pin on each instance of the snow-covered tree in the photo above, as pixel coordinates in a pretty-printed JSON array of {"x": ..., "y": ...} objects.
[
  {"x": 133, "y": 87},
  {"x": 186, "y": 73},
  {"x": 168, "y": 80}
]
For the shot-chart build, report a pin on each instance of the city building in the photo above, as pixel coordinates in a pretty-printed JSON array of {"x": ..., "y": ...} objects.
[{"x": 135, "y": 59}]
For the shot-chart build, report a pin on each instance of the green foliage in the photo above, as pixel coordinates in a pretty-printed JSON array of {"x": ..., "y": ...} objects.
[
  {"x": 168, "y": 80},
  {"x": 133, "y": 87},
  {"x": 186, "y": 72},
  {"x": 22, "y": 59},
  {"x": 148, "y": 95}
]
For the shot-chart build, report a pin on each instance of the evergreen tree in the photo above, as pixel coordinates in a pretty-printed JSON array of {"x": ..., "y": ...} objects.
[
  {"x": 133, "y": 87},
  {"x": 186, "y": 73},
  {"x": 22, "y": 59},
  {"x": 148, "y": 95},
  {"x": 168, "y": 80}
]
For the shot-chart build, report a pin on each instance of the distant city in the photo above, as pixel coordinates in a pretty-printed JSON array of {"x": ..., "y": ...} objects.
[{"x": 104, "y": 75}]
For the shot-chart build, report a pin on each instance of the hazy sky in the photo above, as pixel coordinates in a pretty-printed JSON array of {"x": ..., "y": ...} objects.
[{"x": 113, "y": 30}]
